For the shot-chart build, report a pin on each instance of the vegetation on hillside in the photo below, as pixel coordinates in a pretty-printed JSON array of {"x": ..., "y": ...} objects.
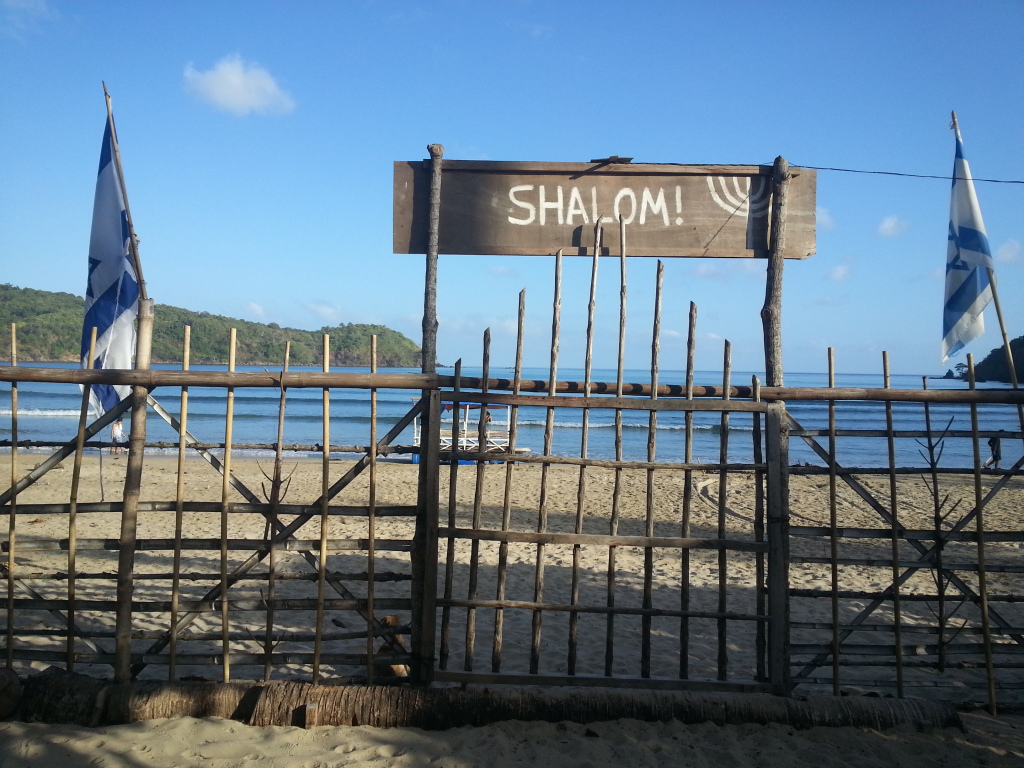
[
  {"x": 50, "y": 329},
  {"x": 995, "y": 368}
]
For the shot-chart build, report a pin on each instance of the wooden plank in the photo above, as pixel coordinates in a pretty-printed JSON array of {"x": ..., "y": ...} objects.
[{"x": 537, "y": 209}]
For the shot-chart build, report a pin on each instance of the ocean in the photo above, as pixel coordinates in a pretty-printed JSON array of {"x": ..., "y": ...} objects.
[{"x": 50, "y": 412}]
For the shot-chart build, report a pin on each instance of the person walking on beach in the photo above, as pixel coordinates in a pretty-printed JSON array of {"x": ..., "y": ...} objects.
[
  {"x": 995, "y": 446},
  {"x": 117, "y": 437}
]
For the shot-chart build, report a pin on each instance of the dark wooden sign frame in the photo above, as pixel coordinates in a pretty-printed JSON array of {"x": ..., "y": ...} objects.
[{"x": 530, "y": 208}]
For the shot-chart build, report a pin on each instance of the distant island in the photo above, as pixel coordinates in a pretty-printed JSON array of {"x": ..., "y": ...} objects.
[{"x": 50, "y": 330}]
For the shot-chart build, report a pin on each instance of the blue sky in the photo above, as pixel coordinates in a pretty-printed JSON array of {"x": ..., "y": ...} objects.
[{"x": 258, "y": 140}]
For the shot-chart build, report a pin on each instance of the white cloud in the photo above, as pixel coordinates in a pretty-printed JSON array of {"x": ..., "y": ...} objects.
[
  {"x": 892, "y": 226},
  {"x": 1009, "y": 252},
  {"x": 672, "y": 334},
  {"x": 825, "y": 220},
  {"x": 327, "y": 313},
  {"x": 255, "y": 309},
  {"x": 19, "y": 17},
  {"x": 838, "y": 274},
  {"x": 238, "y": 87}
]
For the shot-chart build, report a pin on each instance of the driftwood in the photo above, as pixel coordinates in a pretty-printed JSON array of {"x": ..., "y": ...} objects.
[{"x": 57, "y": 696}]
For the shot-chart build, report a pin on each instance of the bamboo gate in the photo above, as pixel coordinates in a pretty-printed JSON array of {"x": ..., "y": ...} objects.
[{"x": 685, "y": 573}]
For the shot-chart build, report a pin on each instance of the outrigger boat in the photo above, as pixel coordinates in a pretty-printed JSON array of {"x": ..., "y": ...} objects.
[{"x": 497, "y": 439}]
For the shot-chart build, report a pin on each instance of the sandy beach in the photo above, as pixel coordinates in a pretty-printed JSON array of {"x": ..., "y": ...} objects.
[{"x": 223, "y": 743}]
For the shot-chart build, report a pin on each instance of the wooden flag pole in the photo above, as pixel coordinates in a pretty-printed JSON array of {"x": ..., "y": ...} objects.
[
  {"x": 136, "y": 444},
  {"x": 133, "y": 244}
]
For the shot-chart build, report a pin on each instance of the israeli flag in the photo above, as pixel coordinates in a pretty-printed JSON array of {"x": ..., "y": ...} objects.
[
  {"x": 968, "y": 261},
  {"x": 112, "y": 294}
]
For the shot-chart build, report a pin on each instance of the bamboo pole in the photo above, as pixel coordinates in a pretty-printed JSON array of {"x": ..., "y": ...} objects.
[
  {"x": 453, "y": 482},
  {"x": 895, "y": 531},
  {"x": 506, "y": 506},
  {"x": 179, "y": 509},
  {"x": 225, "y": 495},
  {"x": 581, "y": 487},
  {"x": 76, "y": 476},
  {"x": 273, "y": 522},
  {"x": 937, "y": 518},
  {"x": 133, "y": 241},
  {"x": 613, "y": 524},
  {"x": 760, "y": 637},
  {"x": 478, "y": 494},
  {"x": 12, "y": 514},
  {"x": 833, "y": 521},
  {"x": 371, "y": 521},
  {"x": 652, "y": 446},
  {"x": 777, "y": 507},
  {"x": 549, "y": 428},
  {"x": 771, "y": 312},
  {"x": 684, "y": 556},
  {"x": 979, "y": 521},
  {"x": 325, "y": 481},
  {"x": 429, "y": 351},
  {"x": 132, "y": 490},
  {"x": 722, "y": 533}
]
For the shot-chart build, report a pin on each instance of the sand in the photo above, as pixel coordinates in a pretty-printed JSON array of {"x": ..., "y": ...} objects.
[
  {"x": 222, "y": 743},
  {"x": 226, "y": 744}
]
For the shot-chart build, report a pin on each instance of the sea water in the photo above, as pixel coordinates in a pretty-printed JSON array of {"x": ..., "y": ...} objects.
[{"x": 50, "y": 412}]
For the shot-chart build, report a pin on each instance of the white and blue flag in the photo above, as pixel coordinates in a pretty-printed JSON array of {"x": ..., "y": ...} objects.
[
  {"x": 112, "y": 294},
  {"x": 968, "y": 261}
]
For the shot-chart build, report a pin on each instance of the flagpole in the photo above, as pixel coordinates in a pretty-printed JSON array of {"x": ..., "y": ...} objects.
[
  {"x": 136, "y": 444},
  {"x": 133, "y": 244}
]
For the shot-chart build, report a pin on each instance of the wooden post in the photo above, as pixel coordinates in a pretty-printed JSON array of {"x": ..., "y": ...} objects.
[
  {"x": 424, "y": 549},
  {"x": 325, "y": 501},
  {"x": 179, "y": 509},
  {"x": 76, "y": 476},
  {"x": 979, "y": 520},
  {"x": 777, "y": 455},
  {"x": 429, "y": 350},
  {"x": 771, "y": 312},
  {"x": 12, "y": 515},
  {"x": 895, "y": 532},
  {"x": 130, "y": 513}
]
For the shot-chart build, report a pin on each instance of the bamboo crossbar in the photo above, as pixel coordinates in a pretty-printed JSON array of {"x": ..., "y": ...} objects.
[
  {"x": 215, "y": 659},
  {"x": 378, "y": 576},
  {"x": 213, "y": 544},
  {"x": 244, "y": 508},
  {"x": 153, "y": 379},
  {"x": 210, "y": 606},
  {"x": 284, "y": 636},
  {"x": 925, "y": 534},
  {"x": 880, "y": 562},
  {"x": 599, "y": 609},
  {"x": 619, "y": 681},
  {"x": 579, "y": 539}
]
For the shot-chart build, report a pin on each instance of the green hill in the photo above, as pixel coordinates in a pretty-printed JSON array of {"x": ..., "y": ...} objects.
[
  {"x": 50, "y": 329},
  {"x": 994, "y": 366}
]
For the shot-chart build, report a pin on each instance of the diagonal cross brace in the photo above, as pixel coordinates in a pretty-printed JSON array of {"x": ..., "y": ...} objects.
[
  {"x": 287, "y": 532},
  {"x": 926, "y": 553}
]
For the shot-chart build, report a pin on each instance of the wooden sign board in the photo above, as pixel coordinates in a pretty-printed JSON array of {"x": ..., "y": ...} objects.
[{"x": 512, "y": 208}]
